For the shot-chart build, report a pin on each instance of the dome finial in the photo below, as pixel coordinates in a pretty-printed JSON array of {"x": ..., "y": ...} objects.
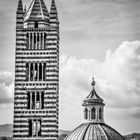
[{"x": 93, "y": 81}]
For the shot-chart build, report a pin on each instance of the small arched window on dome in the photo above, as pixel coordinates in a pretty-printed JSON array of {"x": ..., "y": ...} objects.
[
  {"x": 86, "y": 113},
  {"x": 93, "y": 113},
  {"x": 100, "y": 113}
]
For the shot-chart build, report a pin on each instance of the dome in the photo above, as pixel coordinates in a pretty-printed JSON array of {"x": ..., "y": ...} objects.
[
  {"x": 94, "y": 127},
  {"x": 94, "y": 131}
]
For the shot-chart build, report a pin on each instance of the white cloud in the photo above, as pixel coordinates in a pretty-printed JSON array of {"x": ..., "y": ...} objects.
[
  {"x": 118, "y": 83},
  {"x": 6, "y": 87}
]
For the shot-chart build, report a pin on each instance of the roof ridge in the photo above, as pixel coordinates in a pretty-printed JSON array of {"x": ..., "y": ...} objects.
[
  {"x": 103, "y": 131},
  {"x": 41, "y": 8}
]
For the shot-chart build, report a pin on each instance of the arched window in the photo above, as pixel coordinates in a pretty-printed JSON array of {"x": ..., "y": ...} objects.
[
  {"x": 37, "y": 101},
  {"x": 39, "y": 127},
  {"x": 27, "y": 71},
  {"x": 40, "y": 72},
  {"x": 42, "y": 100},
  {"x": 44, "y": 72},
  {"x": 45, "y": 41},
  {"x": 30, "y": 128},
  {"x": 35, "y": 72},
  {"x": 36, "y": 24},
  {"x": 33, "y": 100},
  {"x": 86, "y": 113},
  {"x": 28, "y": 100},
  {"x": 38, "y": 42},
  {"x": 31, "y": 72},
  {"x": 93, "y": 113},
  {"x": 27, "y": 38},
  {"x": 100, "y": 113},
  {"x": 34, "y": 127}
]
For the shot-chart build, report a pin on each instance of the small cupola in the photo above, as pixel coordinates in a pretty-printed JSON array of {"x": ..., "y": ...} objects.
[{"x": 93, "y": 106}]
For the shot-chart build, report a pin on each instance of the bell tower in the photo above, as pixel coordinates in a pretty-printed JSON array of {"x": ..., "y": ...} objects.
[{"x": 36, "y": 95}]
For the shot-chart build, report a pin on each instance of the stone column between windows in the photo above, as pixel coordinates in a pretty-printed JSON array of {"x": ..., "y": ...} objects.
[
  {"x": 42, "y": 40},
  {"x": 37, "y": 71},
  {"x": 39, "y": 41},
  {"x": 30, "y": 100},
  {"x": 42, "y": 71},
  {"x": 36, "y": 42},
  {"x": 35, "y": 99},
  {"x": 96, "y": 113},
  {"x": 40, "y": 100},
  {"x": 85, "y": 113},
  {"x": 36, "y": 127},
  {"x": 32, "y": 41},
  {"x": 102, "y": 114},
  {"x": 89, "y": 114},
  {"x": 32, "y": 127},
  {"x": 33, "y": 71},
  {"x": 29, "y": 71},
  {"x": 29, "y": 39}
]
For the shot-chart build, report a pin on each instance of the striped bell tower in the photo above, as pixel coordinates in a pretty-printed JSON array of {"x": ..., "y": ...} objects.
[{"x": 36, "y": 94}]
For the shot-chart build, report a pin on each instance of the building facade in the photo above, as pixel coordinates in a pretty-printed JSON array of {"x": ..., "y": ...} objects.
[{"x": 36, "y": 95}]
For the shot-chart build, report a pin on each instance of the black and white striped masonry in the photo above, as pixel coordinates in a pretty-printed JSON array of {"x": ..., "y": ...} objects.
[{"x": 36, "y": 95}]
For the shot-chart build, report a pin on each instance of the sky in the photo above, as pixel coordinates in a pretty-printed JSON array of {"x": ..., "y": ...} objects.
[{"x": 97, "y": 37}]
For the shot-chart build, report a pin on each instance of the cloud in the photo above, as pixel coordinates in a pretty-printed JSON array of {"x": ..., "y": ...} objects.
[
  {"x": 6, "y": 88},
  {"x": 117, "y": 82}
]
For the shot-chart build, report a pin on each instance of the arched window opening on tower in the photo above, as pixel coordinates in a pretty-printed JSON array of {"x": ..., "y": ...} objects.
[
  {"x": 30, "y": 128},
  {"x": 27, "y": 38},
  {"x": 28, "y": 100},
  {"x": 40, "y": 72},
  {"x": 31, "y": 72},
  {"x": 34, "y": 127},
  {"x": 35, "y": 100},
  {"x": 27, "y": 72},
  {"x": 100, "y": 113},
  {"x": 36, "y": 24},
  {"x": 36, "y": 40},
  {"x": 93, "y": 113},
  {"x": 36, "y": 71},
  {"x": 86, "y": 113},
  {"x": 42, "y": 100},
  {"x": 44, "y": 72},
  {"x": 38, "y": 101}
]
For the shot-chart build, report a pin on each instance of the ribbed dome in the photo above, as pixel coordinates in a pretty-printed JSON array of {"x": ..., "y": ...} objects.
[{"x": 94, "y": 131}]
